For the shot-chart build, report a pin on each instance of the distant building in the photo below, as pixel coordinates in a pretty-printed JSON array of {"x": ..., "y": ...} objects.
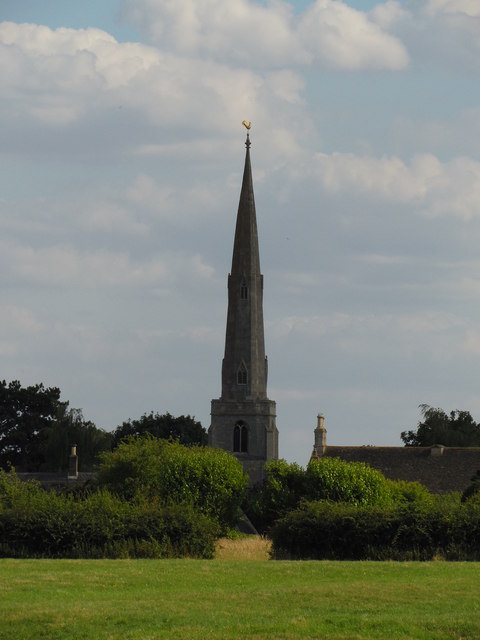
[
  {"x": 243, "y": 419},
  {"x": 441, "y": 469}
]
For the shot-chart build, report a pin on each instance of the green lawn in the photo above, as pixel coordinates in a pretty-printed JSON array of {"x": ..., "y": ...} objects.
[{"x": 197, "y": 599}]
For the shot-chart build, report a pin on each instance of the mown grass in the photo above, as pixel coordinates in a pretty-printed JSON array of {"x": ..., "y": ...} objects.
[{"x": 199, "y": 599}]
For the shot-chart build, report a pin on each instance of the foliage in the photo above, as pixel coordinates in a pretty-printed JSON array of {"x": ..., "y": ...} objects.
[
  {"x": 410, "y": 494},
  {"x": 211, "y": 480},
  {"x": 36, "y": 523},
  {"x": 69, "y": 428},
  {"x": 283, "y": 488},
  {"x": 37, "y": 430},
  {"x": 457, "y": 429},
  {"x": 286, "y": 485},
  {"x": 473, "y": 488},
  {"x": 185, "y": 429},
  {"x": 25, "y": 413},
  {"x": 353, "y": 482},
  {"x": 326, "y": 530}
]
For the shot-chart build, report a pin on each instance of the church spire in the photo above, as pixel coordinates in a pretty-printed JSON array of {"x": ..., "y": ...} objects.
[
  {"x": 246, "y": 257},
  {"x": 243, "y": 418},
  {"x": 244, "y": 370}
]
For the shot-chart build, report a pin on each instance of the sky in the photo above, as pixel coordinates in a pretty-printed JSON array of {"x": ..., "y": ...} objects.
[{"x": 121, "y": 157}]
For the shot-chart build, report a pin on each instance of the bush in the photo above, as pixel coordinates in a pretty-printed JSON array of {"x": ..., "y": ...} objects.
[
  {"x": 410, "y": 494},
  {"x": 352, "y": 482},
  {"x": 473, "y": 488},
  {"x": 342, "y": 531},
  {"x": 37, "y": 523},
  {"x": 283, "y": 488},
  {"x": 209, "y": 479},
  {"x": 328, "y": 479}
]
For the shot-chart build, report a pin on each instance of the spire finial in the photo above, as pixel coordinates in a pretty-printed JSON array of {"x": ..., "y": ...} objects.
[{"x": 248, "y": 126}]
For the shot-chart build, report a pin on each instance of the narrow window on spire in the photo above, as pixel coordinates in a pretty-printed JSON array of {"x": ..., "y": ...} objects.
[
  {"x": 242, "y": 374},
  {"x": 243, "y": 291},
  {"x": 240, "y": 437}
]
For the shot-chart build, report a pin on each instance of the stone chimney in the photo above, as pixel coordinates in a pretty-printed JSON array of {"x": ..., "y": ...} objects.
[
  {"x": 320, "y": 438},
  {"x": 437, "y": 450},
  {"x": 73, "y": 463}
]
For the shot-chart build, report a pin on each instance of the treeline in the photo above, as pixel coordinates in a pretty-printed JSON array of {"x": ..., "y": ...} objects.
[
  {"x": 454, "y": 429},
  {"x": 151, "y": 498},
  {"x": 37, "y": 430},
  {"x": 349, "y": 511}
]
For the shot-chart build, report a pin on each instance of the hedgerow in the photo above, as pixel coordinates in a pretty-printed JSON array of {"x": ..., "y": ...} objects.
[
  {"x": 39, "y": 523},
  {"x": 352, "y": 482},
  {"x": 211, "y": 480},
  {"x": 286, "y": 485},
  {"x": 343, "y": 531}
]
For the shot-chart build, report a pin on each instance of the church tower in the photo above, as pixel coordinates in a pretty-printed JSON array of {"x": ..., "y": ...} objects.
[{"x": 243, "y": 418}]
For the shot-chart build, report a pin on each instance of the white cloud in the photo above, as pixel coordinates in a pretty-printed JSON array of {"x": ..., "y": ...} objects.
[
  {"x": 19, "y": 318},
  {"x": 347, "y": 326},
  {"x": 109, "y": 217},
  {"x": 443, "y": 33},
  {"x": 343, "y": 38},
  {"x": 432, "y": 187},
  {"x": 388, "y": 14},
  {"x": 237, "y": 30},
  {"x": 470, "y": 8},
  {"x": 86, "y": 79},
  {"x": 328, "y": 33},
  {"x": 66, "y": 265}
]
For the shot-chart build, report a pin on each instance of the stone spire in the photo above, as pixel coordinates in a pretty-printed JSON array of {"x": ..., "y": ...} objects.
[
  {"x": 243, "y": 418},
  {"x": 244, "y": 368}
]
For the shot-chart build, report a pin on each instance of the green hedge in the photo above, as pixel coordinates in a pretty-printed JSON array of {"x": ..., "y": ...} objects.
[
  {"x": 211, "y": 480},
  {"x": 353, "y": 482},
  {"x": 36, "y": 523},
  {"x": 286, "y": 485},
  {"x": 342, "y": 531}
]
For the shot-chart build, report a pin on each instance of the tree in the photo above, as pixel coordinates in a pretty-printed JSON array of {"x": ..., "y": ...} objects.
[
  {"x": 25, "y": 414},
  {"x": 336, "y": 480},
  {"x": 457, "y": 429},
  {"x": 154, "y": 469},
  {"x": 283, "y": 488},
  {"x": 185, "y": 429},
  {"x": 69, "y": 428},
  {"x": 37, "y": 430}
]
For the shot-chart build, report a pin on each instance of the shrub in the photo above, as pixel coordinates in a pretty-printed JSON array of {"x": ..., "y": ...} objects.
[
  {"x": 37, "y": 523},
  {"x": 473, "y": 488},
  {"x": 342, "y": 531},
  {"x": 283, "y": 488},
  {"x": 339, "y": 481},
  {"x": 410, "y": 494},
  {"x": 211, "y": 480}
]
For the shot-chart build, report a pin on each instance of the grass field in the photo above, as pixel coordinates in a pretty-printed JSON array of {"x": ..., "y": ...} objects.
[{"x": 237, "y": 598}]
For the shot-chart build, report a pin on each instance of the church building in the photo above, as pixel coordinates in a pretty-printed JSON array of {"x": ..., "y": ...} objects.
[{"x": 243, "y": 419}]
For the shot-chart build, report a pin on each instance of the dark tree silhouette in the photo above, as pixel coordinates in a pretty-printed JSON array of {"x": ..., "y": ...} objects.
[
  {"x": 25, "y": 414},
  {"x": 185, "y": 429},
  {"x": 37, "y": 430},
  {"x": 456, "y": 429}
]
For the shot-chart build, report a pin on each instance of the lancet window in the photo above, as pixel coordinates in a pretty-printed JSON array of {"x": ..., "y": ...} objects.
[
  {"x": 242, "y": 374},
  {"x": 243, "y": 290},
  {"x": 240, "y": 437}
]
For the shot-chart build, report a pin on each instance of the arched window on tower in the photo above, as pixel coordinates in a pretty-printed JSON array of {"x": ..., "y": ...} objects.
[
  {"x": 240, "y": 437},
  {"x": 244, "y": 290},
  {"x": 242, "y": 374}
]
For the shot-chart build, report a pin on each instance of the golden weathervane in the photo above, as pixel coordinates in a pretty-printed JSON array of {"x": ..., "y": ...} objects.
[{"x": 247, "y": 125}]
